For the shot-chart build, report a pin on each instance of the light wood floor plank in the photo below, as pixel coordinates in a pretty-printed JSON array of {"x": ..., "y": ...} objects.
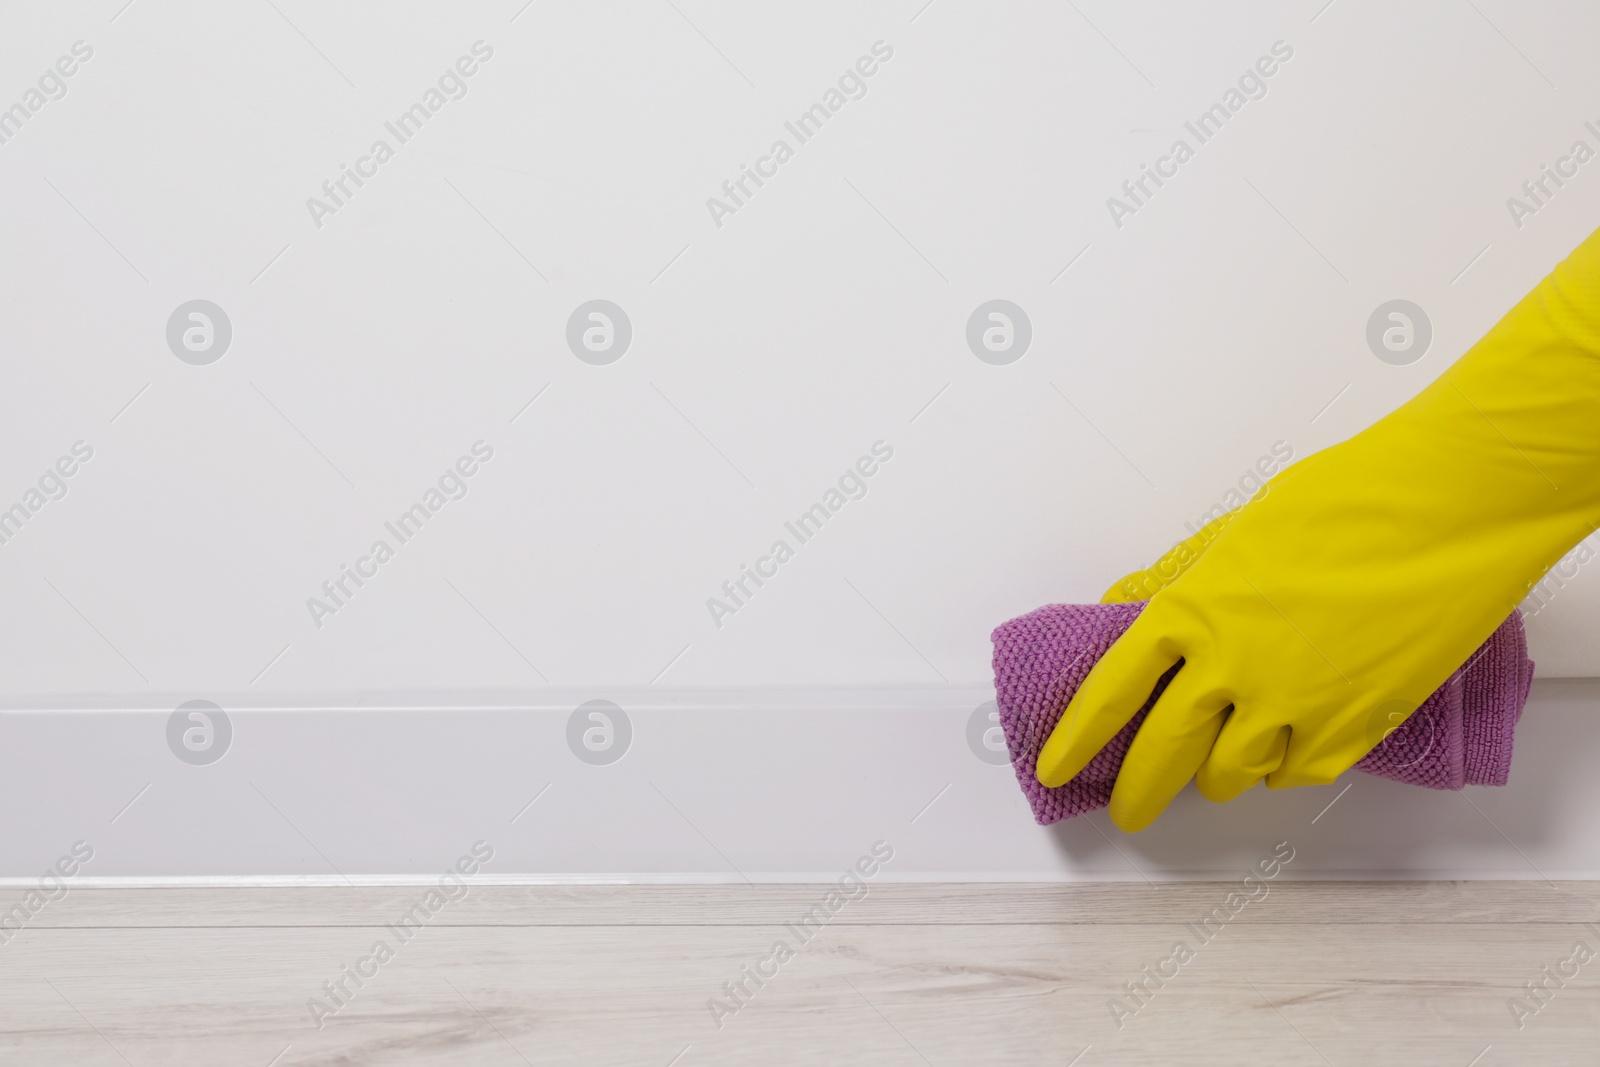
[{"x": 1383, "y": 974}]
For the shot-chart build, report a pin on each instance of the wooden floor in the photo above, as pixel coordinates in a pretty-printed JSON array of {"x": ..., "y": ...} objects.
[{"x": 1314, "y": 973}]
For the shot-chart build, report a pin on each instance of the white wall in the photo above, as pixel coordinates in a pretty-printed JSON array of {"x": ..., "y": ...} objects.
[{"x": 371, "y": 347}]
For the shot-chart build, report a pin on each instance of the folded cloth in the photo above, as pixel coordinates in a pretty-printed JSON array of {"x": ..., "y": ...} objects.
[{"x": 1461, "y": 735}]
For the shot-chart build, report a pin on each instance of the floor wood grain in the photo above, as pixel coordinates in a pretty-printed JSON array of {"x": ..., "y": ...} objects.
[{"x": 1311, "y": 973}]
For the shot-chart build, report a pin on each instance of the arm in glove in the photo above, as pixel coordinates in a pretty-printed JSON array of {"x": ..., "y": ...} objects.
[{"x": 1320, "y": 614}]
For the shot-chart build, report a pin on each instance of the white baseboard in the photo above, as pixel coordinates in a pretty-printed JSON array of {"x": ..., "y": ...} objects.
[{"x": 714, "y": 787}]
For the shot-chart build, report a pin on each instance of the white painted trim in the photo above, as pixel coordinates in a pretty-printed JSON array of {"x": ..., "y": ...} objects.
[{"x": 781, "y": 785}]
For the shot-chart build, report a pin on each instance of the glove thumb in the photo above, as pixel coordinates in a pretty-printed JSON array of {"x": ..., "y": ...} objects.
[{"x": 1142, "y": 585}]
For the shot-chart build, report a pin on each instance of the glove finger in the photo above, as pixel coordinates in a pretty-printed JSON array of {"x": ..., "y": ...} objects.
[
  {"x": 1303, "y": 765},
  {"x": 1115, "y": 690},
  {"x": 1242, "y": 756},
  {"x": 1171, "y": 744},
  {"x": 1142, "y": 585},
  {"x": 1318, "y": 753}
]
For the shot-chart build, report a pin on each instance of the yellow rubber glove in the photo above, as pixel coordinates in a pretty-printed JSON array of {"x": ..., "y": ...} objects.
[
  {"x": 1317, "y": 616},
  {"x": 1142, "y": 585}
]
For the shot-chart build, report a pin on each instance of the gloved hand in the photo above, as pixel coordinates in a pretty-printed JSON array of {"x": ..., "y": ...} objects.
[
  {"x": 1142, "y": 585},
  {"x": 1319, "y": 615}
]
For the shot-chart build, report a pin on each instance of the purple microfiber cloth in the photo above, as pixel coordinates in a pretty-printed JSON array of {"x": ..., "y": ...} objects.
[{"x": 1461, "y": 735}]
